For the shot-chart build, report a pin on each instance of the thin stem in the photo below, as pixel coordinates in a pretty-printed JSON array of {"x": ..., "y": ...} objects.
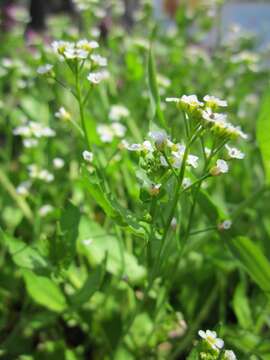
[
  {"x": 81, "y": 107},
  {"x": 212, "y": 228}
]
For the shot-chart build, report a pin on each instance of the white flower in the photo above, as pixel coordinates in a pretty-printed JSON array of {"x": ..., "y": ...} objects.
[
  {"x": 42, "y": 174},
  {"x": 186, "y": 182},
  {"x": 118, "y": 112},
  {"x": 45, "y": 210},
  {"x": 88, "y": 156},
  {"x": 23, "y": 188},
  {"x": 22, "y": 130},
  {"x": 234, "y": 152},
  {"x": 225, "y": 225},
  {"x": 221, "y": 167},
  {"x": 62, "y": 114},
  {"x": 59, "y": 47},
  {"x": 33, "y": 129},
  {"x": 192, "y": 160},
  {"x": 134, "y": 147},
  {"x": 174, "y": 223},
  {"x": 163, "y": 161},
  {"x": 147, "y": 147},
  {"x": 73, "y": 53},
  {"x": 105, "y": 132},
  {"x": 159, "y": 137},
  {"x": 99, "y": 60},
  {"x": 211, "y": 338},
  {"x": 191, "y": 100},
  {"x": 207, "y": 151},
  {"x": 118, "y": 129},
  {"x": 46, "y": 176},
  {"x": 30, "y": 143},
  {"x": 213, "y": 117},
  {"x": 58, "y": 163},
  {"x": 213, "y": 101},
  {"x": 229, "y": 355},
  {"x": 95, "y": 77},
  {"x": 44, "y": 69},
  {"x": 87, "y": 45}
]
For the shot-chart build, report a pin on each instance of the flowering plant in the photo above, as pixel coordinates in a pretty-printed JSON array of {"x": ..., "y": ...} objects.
[{"x": 132, "y": 219}]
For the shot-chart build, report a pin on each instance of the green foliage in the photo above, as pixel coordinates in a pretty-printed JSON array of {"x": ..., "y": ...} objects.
[
  {"x": 263, "y": 134},
  {"x": 252, "y": 260},
  {"x": 133, "y": 213},
  {"x": 44, "y": 291}
]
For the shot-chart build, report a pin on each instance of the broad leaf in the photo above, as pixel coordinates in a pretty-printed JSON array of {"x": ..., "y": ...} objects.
[
  {"x": 96, "y": 244},
  {"x": 25, "y": 255},
  {"x": 44, "y": 291},
  {"x": 110, "y": 205}
]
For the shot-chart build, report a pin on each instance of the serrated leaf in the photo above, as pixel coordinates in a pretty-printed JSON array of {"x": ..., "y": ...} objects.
[
  {"x": 252, "y": 260},
  {"x": 263, "y": 134},
  {"x": 44, "y": 291}
]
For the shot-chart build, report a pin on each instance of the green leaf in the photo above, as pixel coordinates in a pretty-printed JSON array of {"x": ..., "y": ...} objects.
[
  {"x": 241, "y": 307},
  {"x": 111, "y": 207},
  {"x": 153, "y": 87},
  {"x": 263, "y": 134},
  {"x": 34, "y": 109},
  {"x": 95, "y": 244},
  {"x": 194, "y": 355},
  {"x": 69, "y": 223},
  {"x": 63, "y": 246},
  {"x": 91, "y": 285},
  {"x": 44, "y": 291},
  {"x": 94, "y": 186},
  {"x": 209, "y": 208},
  {"x": 252, "y": 260},
  {"x": 25, "y": 255}
]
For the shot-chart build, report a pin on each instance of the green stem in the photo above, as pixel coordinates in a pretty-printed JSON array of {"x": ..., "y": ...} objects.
[
  {"x": 81, "y": 108},
  {"x": 22, "y": 204}
]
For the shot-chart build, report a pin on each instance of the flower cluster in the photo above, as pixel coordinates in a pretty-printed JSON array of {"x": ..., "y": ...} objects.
[
  {"x": 205, "y": 113},
  {"x": 118, "y": 112},
  {"x": 80, "y": 51},
  {"x": 214, "y": 344},
  {"x": 161, "y": 147},
  {"x": 32, "y": 131},
  {"x": 41, "y": 174},
  {"x": 62, "y": 114},
  {"x": 109, "y": 132}
]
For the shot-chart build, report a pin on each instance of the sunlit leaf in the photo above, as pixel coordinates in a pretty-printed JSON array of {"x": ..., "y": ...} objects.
[{"x": 44, "y": 291}]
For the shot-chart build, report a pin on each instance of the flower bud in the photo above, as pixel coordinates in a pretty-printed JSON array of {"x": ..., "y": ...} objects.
[{"x": 154, "y": 189}]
